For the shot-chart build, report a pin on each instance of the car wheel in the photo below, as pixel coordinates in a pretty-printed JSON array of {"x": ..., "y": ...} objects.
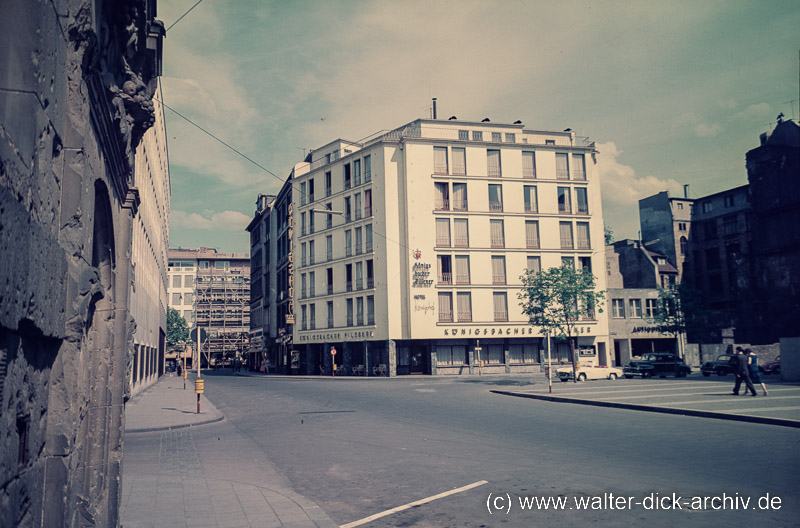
[
  {"x": 706, "y": 374},
  {"x": 612, "y": 376},
  {"x": 628, "y": 376},
  {"x": 581, "y": 377},
  {"x": 564, "y": 379},
  {"x": 646, "y": 375}
]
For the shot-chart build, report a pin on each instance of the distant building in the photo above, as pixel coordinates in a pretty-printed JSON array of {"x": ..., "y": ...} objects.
[
  {"x": 634, "y": 275},
  {"x": 666, "y": 225},
  {"x": 213, "y": 289},
  {"x": 262, "y": 229},
  {"x": 416, "y": 268}
]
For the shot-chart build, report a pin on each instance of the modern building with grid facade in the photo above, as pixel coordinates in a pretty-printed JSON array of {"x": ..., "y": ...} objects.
[
  {"x": 405, "y": 249},
  {"x": 211, "y": 290}
]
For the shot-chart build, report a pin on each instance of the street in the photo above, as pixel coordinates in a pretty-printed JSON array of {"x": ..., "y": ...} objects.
[{"x": 359, "y": 447}]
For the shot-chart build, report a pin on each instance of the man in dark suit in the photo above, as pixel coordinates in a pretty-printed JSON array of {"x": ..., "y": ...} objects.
[{"x": 742, "y": 373}]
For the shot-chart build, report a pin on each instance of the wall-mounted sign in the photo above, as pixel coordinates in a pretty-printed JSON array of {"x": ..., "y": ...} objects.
[
  {"x": 502, "y": 331},
  {"x": 420, "y": 274},
  {"x": 290, "y": 269}
]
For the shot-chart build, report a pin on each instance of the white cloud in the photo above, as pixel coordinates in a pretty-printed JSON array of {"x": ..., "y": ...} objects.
[
  {"x": 620, "y": 185},
  {"x": 755, "y": 112},
  {"x": 224, "y": 221},
  {"x": 703, "y": 129}
]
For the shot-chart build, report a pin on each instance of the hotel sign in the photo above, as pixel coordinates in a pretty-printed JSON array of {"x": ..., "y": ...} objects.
[
  {"x": 420, "y": 274},
  {"x": 290, "y": 235},
  {"x": 503, "y": 331},
  {"x": 337, "y": 336}
]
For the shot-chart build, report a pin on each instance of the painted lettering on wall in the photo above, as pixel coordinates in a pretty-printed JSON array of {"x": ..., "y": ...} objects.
[{"x": 420, "y": 274}]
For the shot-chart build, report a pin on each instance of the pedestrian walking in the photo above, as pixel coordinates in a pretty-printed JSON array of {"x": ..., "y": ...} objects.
[
  {"x": 752, "y": 364},
  {"x": 742, "y": 373}
]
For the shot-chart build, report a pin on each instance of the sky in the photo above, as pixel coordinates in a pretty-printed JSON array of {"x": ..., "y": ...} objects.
[{"x": 672, "y": 92}]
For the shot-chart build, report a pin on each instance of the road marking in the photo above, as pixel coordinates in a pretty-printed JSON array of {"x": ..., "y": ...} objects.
[
  {"x": 731, "y": 400},
  {"x": 432, "y": 498},
  {"x": 763, "y": 409},
  {"x": 611, "y": 392},
  {"x": 724, "y": 400}
]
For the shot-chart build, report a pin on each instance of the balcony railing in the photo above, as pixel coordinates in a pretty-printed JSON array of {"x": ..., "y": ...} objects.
[
  {"x": 358, "y": 214},
  {"x": 529, "y": 174},
  {"x": 438, "y": 168},
  {"x": 495, "y": 172},
  {"x": 498, "y": 278},
  {"x": 566, "y": 243},
  {"x": 347, "y": 217},
  {"x": 330, "y": 289},
  {"x": 498, "y": 242},
  {"x": 368, "y": 247},
  {"x": 302, "y": 261},
  {"x": 462, "y": 278},
  {"x": 370, "y": 283},
  {"x": 442, "y": 204},
  {"x": 357, "y": 180},
  {"x": 445, "y": 316},
  {"x": 367, "y": 177},
  {"x": 583, "y": 243},
  {"x": 346, "y": 183},
  {"x": 302, "y": 230},
  {"x": 461, "y": 242},
  {"x": 302, "y": 293},
  {"x": 583, "y": 209},
  {"x": 460, "y": 205},
  {"x": 310, "y": 259},
  {"x": 579, "y": 174},
  {"x": 312, "y": 325},
  {"x": 445, "y": 278},
  {"x": 370, "y": 318},
  {"x": 496, "y": 206},
  {"x": 310, "y": 197},
  {"x": 329, "y": 254},
  {"x": 562, "y": 174},
  {"x": 328, "y": 191},
  {"x": 500, "y": 316},
  {"x": 532, "y": 243},
  {"x": 348, "y": 251},
  {"x": 312, "y": 291},
  {"x": 465, "y": 317},
  {"x": 564, "y": 209},
  {"x": 349, "y": 320},
  {"x": 359, "y": 284},
  {"x": 531, "y": 207},
  {"x": 358, "y": 248},
  {"x": 443, "y": 241},
  {"x": 367, "y": 211},
  {"x": 349, "y": 285}
]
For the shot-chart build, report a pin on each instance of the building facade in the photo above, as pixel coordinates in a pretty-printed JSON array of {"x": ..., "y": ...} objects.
[
  {"x": 262, "y": 291},
  {"x": 213, "y": 290},
  {"x": 150, "y": 240},
  {"x": 405, "y": 249},
  {"x": 76, "y": 87},
  {"x": 666, "y": 225}
]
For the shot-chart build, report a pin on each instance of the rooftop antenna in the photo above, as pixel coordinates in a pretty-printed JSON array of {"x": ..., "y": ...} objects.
[{"x": 434, "y": 108}]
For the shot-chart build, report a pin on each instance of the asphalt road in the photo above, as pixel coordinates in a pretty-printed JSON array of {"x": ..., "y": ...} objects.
[{"x": 359, "y": 447}]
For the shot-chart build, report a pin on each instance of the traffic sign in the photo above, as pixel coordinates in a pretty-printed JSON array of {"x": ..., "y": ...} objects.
[
  {"x": 203, "y": 335},
  {"x": 333, "y": 351}
]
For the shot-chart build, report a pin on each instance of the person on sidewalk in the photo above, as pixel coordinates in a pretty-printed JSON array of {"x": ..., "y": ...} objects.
[
  {"x": 752, "y": 364},
  {"x": 742, "y": 373}
]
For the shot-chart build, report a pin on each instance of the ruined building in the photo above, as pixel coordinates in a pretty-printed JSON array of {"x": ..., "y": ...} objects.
[{"x": 76, "y": 85}]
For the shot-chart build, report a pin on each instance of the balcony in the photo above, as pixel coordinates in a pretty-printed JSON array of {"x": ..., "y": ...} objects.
[
  {"x": 531, "y": 207},
  {"x": 442, "y": 241},
  {"x": 579, "y": 174},
  {"x": 359, "y": 284},
  {"x": 367, "y": 211},
  {"x": 438, "y": 168},
  {"x": 329, "y": 254},
  {"x": 498, "y": 242},
  {"x": 460, "y": 205},
  {"x": 566, "y": 243},
  {"x": 465, "y": 317},
  {"x": 498, "y": 279},
  {"x": 562, "y": 174},
  {"x": 445, "y": 278},
  {"x": 349, "y": 286},
  {"x": 532, "y": 243},
  {"x": 461, "y": 242},
  {"x": 348, "y": 251},
  {"x": 500, "y": 316},
  {"x": 370, "y": 318},
  {"x": 358, "y": 249},
  {"x": 442, "y": 204},
  {"x": 368, "y": 247},
  {"x": 583, "y": 243},
  {"x": 496, "y": 207},
  {"x": 330, "y": 289},
  {"x": 462, "y": 278},
  {"x": 446, "y": 316},
  {"x": 370, "y": 283}
]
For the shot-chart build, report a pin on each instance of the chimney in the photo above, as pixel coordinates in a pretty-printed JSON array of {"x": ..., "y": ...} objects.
[
  {"x": 686, "y": 191},
  {"x": 434, "y": 108}
]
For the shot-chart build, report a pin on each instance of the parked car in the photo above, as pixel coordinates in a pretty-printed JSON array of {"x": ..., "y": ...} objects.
[
  {"x": 660, "y": 364},
  {"x": 771, "y": 367},
  {"x": 723, "y": 365},
  {"x": 590, "y": 372}
]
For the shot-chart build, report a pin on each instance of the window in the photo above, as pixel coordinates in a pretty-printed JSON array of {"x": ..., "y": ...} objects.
[
  {"x": 684, "y": 245},
  {"x": 460, "y": 232},
  {"x": 511, "y": 137},
  {"x": 443, "y": 232},
  {"x": 583, "y": 201},
  {"x": 462, "y": 269},
  {"x": 188, "y": 279},
  {"x": 498, "y": 238},
  {"x": 303, "y": 254},
  {"x": 562, "y": 167},
  {"x": 311, "y": 190},
  {"x": 187, "y": 298},
  {"x": 651, "y": 307},
  {"x": 497, "y": 137},
  {"x": 368, "y": 238},
  {"x": 312, "y": 316},
  {"x": 680, "y": 205},
  {"x": 493, "y": 354},
  {"x": 349, "y": 312},
  {"x": 328, "y": 217},
  {"x": 358, "y": 240},
  {"x": 370, "y": 309},
  {"x": 311, "y": 252},
  {"x": 442, "y": 196},
  {"x": 348, "y": 277},
  {"x": 585, "y": 263},
  {"x": 447, "y": 355},
  {"x": 346, "y": 176},
  {"x": 528, "y": 165},
  {"x": 582, "y": 229},
  {"x": 367, "y": 169},
  {"x": 357, "y": 206},
  {"x": 635, "y": 306},
  {"x": 578, "y": 167},
  {"x": 347, "y": 216},
  {"x": 440, "y": 160},
  {"x": 681, "y": 226},
  {"x": 707, "y": 207},
  {"x": 496, "y": 198},
  {"x": 568, "y": 261},
  {"x": 359, "y": 275},
  {"x": 712, "y": 258},
  {"x": 367, "y": 203},
  {"x": 729, "y": 200},
  {"x": 302, "y": 193},
  {"x": 565, "y": 230},
  {"x": 176, "y": 299},
  {"x": 477, "y": 135},
  {"x": 328, "y": 183},
  {"x": 532, "y": 234},
  {"x": 370, "y": 274},
  {"x": 730, "y": 226},
  {"x": 463, "y": 135},
  {"x": 498, "y": 270},
  {"x": 534, "y": 264},
  {"x": 356, "y": 173},
  {"x": 459, "y": 196},
  {"x": 310, "y": 223},
  {"x": 445, "y": 269},
  {"x": 302, "y": 223},
  {"x": 348, "y": 243},
  {"x": 564, "y": 200},
  {"x": 527, "y": 353},
  {"x": 222, "y": 264},
  {"x": 531, "y": 199},
  {"x": 464, "y": 306},
  {"x": 618, "y": 307},
  {"x": 329, "y": 247},
  {"x": 360, "y": 311},
  {"x": 493, "y": 161},
  {"x": 176, "y": 281},
  {"x": 445, "y": 307},
  {"x": 330, "y": 314},
  {"x": 329, "y": 280},
  {"x": 304, "y": 318},
  {"x": 459, "y": 161},
  {"x": 303, "y": 286},
  {"x": 500, "y": 306}
]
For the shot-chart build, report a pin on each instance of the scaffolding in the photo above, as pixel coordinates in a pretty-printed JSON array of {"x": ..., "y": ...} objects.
[{"x": 222, "y": 309}]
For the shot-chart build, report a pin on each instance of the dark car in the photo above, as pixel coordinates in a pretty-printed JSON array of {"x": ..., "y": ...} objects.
[
  {"x": 723, "y": 365},
  {"x": 771, "y": 367},
  {"x": 660, "y": 364}
]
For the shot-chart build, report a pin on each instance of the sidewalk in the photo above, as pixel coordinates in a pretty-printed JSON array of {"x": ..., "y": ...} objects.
[{"x": 183, "y": 469}]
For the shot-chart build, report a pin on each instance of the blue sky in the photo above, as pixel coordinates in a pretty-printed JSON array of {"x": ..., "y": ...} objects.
[{"x": 672, "y": 92}]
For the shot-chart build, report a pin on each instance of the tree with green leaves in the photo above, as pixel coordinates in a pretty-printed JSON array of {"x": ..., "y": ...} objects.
[
  {"x": 557, "y": 299},
  {"x": 177, "y": 329},
  {"x": 609, "y": 234},
  {"x": 677, "y": 312}
]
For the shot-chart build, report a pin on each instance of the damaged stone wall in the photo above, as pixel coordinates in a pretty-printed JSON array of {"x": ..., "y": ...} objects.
[{"x": 74, "y": 81}]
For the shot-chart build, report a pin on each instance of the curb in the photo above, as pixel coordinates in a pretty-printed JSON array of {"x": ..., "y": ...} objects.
[
  {"x": 663, "y": 410},
  {"x": 169, "y": 427}
]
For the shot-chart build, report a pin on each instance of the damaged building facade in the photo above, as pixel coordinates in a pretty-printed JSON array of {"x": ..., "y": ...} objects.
[{"x": 76, "y": 84}]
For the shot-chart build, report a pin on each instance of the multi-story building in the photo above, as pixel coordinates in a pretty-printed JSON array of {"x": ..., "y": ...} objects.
[
  {"x": 149, "y": 254},
  {"x": 262, "y": 292},
  {"x": 408, "y": 246},
  {"x": 634, "y": 275},
  {"x": 666, "y": 224},
  {"x": 213, "y": 290}
]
